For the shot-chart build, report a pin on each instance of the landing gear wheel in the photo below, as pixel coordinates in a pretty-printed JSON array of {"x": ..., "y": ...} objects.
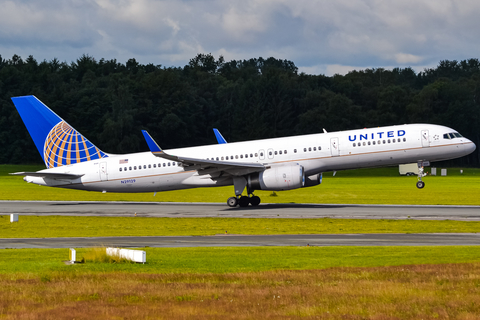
[
  {"x": 232, "y": 202},
  {"x": 255, "y": 201},
  {"x": 420, "y": 184},
  {"x": 244, "y": 201}
]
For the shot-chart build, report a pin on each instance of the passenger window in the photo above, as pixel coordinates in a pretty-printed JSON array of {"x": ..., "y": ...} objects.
[
  {"x": 134, "y": 167},
  {"x": 120, "y": 169},
  {"x": 285, "y": 151},
  {"x": 164, "y": 164},
  {"x": 222, "y": 158},
  {"x": 125, "y": 168},
  {"x": 393, "y": 140},
  {"x": 241, "y": 156},
  {"x": 173, "y": 164},
  {"x": 130, "y": 168},
  {"x": 270, "y": 152},
  {"x": 314, "y": 148},
  {"x": 319, "y": 148},
  {"x": 364, "y": 144},
  {"x": 354, "y": 144},
  {"x": 251, "y": 155},
  {"x": 294, "y": 150},
  {"x": 226, "y": 158},
  {"x": 304, "y": 149},
  {"x": 246, "y": 156},
  {"x": 388, "y": 140},
  {"x": 256, "y": 154},
  {"x": 384, "y": 142},
  {"x": 144, "y": 166},
  {"x": 373, "y": 142},
  {"x": 236, "y": 157},
  {"x": 309, "y": 148},
  {"x": 276, "y": 152},
  {"x": 261, "y": 154},
  {"x": 404, "y": 139}
]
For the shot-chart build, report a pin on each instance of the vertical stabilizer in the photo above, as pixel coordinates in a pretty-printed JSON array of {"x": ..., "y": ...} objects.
[{"x": 57, "y": 142}]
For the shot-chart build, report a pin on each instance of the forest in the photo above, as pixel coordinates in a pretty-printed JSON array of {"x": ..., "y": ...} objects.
[{"x": 110, "y": 102}]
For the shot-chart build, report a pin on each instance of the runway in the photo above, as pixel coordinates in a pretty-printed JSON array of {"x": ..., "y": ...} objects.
[
  {"x": 432, "y": 239},
  {"x": 194, "y": 210},
  {"x": 283, "y": 211}
]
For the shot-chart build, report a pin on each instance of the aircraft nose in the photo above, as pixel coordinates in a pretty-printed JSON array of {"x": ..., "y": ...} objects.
[{"x": 469, "y": 147}]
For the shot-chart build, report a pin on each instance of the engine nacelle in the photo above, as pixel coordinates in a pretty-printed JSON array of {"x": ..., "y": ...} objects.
[
  {"x": 314, "y": 180},
  {"x": 278, "y": 178}
]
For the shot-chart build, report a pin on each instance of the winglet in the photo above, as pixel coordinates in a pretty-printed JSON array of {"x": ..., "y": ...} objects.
[
  {"x": 154, "y": 147},
  {"x": 218, "y": 135}
]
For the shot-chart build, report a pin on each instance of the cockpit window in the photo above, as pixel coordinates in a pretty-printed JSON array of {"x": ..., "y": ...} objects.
[{"x": 452, "y": 135}]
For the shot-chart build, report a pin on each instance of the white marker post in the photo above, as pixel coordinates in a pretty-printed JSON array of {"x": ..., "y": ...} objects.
[
  {"x": 73, "y": 255},
  {"x": 13, "y": 217}
]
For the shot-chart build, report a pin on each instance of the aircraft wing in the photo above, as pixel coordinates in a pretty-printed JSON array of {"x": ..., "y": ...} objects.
[
  {"x": 233, "y": 168},
  {"x": 50, "y": 175}
]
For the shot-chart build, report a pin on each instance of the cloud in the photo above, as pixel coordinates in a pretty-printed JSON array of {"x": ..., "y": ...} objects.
[{"x": 316, "y": 35}]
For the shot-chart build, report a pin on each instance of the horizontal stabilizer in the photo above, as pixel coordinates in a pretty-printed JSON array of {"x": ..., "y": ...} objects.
[{"x": 50, "y": 175}]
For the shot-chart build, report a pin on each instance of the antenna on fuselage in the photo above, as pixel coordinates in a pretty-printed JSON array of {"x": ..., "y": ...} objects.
[{"x": 324, "y": 131}]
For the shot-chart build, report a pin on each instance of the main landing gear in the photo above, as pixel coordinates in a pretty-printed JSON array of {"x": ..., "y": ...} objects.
[
  {"x": 243, "y": 201},
  {"x": 239, "y": 184}
]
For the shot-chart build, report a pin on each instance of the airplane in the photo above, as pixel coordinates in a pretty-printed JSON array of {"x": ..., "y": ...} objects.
[{"x": 276, "y": 164}]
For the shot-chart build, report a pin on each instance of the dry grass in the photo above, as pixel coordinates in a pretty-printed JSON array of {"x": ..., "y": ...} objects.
[
  {"x": 403, "y": 292},
  {"x": 99, "y": 255}
]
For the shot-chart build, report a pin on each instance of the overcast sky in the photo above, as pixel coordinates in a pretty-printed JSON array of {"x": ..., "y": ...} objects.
[{"x": 319, "y": 36}]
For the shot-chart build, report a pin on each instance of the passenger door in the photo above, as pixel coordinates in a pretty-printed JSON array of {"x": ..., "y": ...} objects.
[
  {"x": 334, "y": 147},
  {"x": 425, "y": 139},
  {"x": 102, "y": 169}
]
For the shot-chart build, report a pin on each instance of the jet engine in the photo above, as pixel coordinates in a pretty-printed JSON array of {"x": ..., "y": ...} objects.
[{"x": 278, "y": 178}]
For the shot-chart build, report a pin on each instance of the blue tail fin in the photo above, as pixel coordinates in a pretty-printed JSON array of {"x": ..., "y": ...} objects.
[{"x": 58, "y": 143}]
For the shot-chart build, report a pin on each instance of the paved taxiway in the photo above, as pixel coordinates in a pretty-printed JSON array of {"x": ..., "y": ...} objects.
[
  {"x": 435, "y": 239},
  {"x": 142, "y": 209},
  {"x": 193, "y": 210}
]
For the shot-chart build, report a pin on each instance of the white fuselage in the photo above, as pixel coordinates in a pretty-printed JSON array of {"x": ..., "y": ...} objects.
[{"x": 373, "y": 147}]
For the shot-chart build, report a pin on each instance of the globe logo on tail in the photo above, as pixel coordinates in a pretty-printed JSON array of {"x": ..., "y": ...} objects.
[{"x": 64, "y": 145}]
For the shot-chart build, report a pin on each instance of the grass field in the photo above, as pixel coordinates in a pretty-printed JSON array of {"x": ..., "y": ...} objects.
[
  {"x": 246, "y": 283},
  {"x": 33, "y": 263},
  {"x": 365, "y": 186},
  {"x": 71, "y": 226}
]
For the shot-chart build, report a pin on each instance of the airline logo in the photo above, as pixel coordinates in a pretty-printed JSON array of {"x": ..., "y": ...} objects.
[
  {"x": 377, "y": 135},
  {"x": 64, "y": 145}
]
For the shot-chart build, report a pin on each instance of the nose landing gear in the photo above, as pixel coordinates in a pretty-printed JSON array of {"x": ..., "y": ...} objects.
[{"x": 420, "y": 183}]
